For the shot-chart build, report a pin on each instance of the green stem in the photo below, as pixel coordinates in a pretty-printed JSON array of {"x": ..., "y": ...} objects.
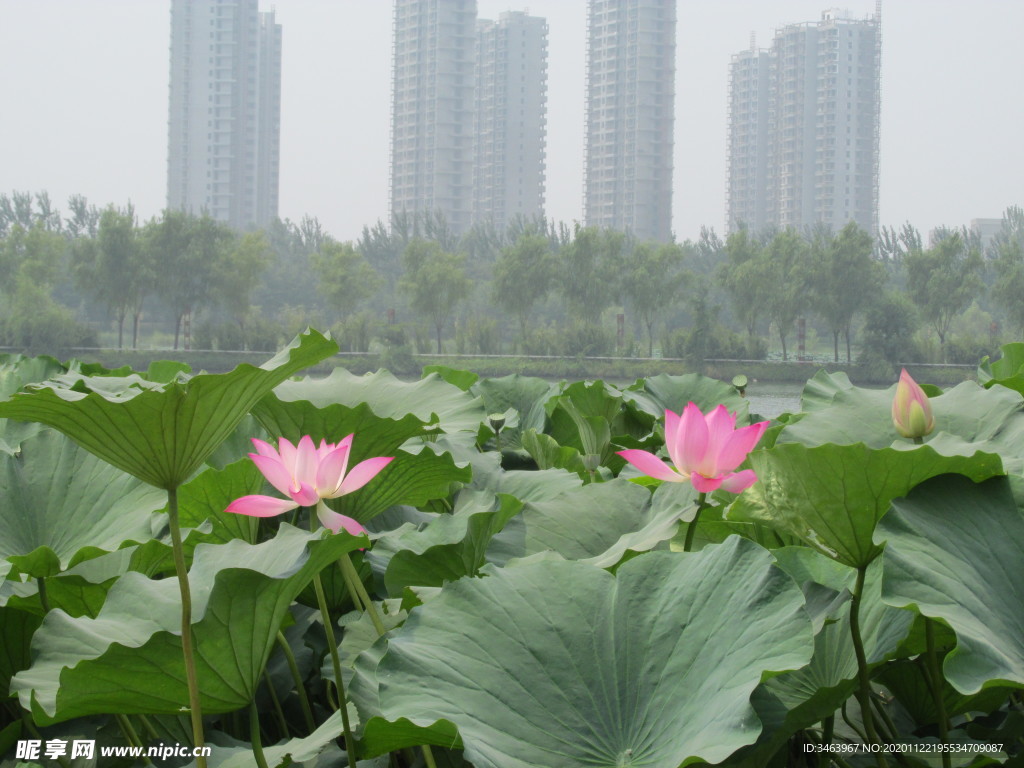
[
  {"x": 300, "y": 688},
  {"x": 692, "y": 527},
  {"x": 864, "y": 688},
  {"x": 359, "y": 593},
  {"x": 282, "y": 721},
  {"x": 130, "y": 735},
  {"x": 43, "y": 598},
  {"x": 148, "y": 726},
  {"x": 428, "y": 756},
  {"x": 254, "y": 736},
  {"x": 332, "y": 646},
  {"x": 195, "y": 706},
  {"x": 828, "y": 727},
  {"x": 935, "y": 678}
]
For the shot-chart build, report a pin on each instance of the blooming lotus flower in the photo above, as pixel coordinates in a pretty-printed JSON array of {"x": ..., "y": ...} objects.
[
  {"x": 704, "y": 450},
  {"x": 308, "y": 474},
  {"x": 911, "y": 411}
]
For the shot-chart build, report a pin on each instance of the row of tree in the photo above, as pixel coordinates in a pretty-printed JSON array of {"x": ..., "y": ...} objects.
[{"x": 540, "y": 285}]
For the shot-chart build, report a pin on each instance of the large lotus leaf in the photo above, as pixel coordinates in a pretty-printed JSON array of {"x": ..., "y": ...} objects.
[
  {"x": 652, "y": 666},
  {"x": 598, "y": 523},
  {"x": 160, "y": 432},
  {"x": 15, "y": 372},
  {"x": 953, "y": 552},
  {"x": 831, "y": 496},
  {"x": 57, "y": 499},
  {"x": 128, "y": 659},
  {"x": 1008, "y": 370},
  {"x": 298, "y": 751},
  {"x": 206, "y": 496},
  {"x": 663, "y": 392},
  {"x": 822, "y": 388},
  {"x": 985, "y": 420},
  {"x": 450, "y": 547},
  {"x": 816, "y": 691},
  {"x": 431, "y": 399},
  {"x": 527, "y": 485},
  {"x": 374, "y": 435},
  {"x": 16, "y": 630},
  {"x": 412, "y": 478},
  {"x": 526, "y": 394}
]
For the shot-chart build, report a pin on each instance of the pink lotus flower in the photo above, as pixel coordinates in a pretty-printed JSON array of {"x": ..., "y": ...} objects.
[
  {"x": 704, "y": 450},
  {"x": 308, "y": 475},
  {"x": 911, "y": 411}
]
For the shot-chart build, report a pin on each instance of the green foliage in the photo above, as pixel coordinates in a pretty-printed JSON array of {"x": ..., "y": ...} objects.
[
  {"x": 587, "y": 272},
  {"x": 654, "y": 280},
  {"x": 435, "y": 282},
  {"x": 344, "y": 277}
]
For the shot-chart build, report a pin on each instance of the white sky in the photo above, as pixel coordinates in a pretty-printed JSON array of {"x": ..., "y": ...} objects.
[{"x": 83, "y": 93}]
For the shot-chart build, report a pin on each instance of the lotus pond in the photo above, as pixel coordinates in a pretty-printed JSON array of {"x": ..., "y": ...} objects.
[{"x": 506, "y": 572}]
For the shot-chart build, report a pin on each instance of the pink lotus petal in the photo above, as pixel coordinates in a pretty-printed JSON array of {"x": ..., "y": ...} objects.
[
  {"x": 720, "y": 424},
  {"x": 305, "y": 463},
  {"x": 738, "y": 482},
  {"x": 704, "y": 484},
  {"x": 691, "y": 441},
  {"x": 265, "y": 449},
  {"x": 651, "y": 465},
  {"x": 331, "y": 471},
  {"x": 305, "y": 496},
  {"x": 274, "y": 471},
  {"x": 362, "y": 473},
  {"x": 260, "y": 506},
  {"x": 738, "y": 445},
  {"x": 335, "y": 522},
  {"x": 287, "y": 453}
]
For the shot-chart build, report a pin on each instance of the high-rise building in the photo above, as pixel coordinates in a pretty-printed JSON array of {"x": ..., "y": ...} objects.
[
  {"x": 225, "y": 107},
  {"x": 511, "y": 102},
  {"x": 630, "y": 116},
  {"x": 804, "y": 127},
  {"x": 432, "y": 109}
]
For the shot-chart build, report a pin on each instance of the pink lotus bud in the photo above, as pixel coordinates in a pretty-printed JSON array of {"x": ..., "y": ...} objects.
[{"x": 911, "y": 411}]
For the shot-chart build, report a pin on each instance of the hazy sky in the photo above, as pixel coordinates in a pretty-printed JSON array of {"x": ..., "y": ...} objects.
[{"x": 84, "y": 104}]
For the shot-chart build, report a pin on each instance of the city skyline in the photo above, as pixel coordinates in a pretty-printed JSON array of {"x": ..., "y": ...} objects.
[{"x": 91, "y": 106}]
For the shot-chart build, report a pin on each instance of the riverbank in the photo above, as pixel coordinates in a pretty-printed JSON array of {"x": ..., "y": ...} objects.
[{"x": 610, "y": 368}]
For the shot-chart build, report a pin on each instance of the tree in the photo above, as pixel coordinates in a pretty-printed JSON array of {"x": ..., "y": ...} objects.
[
  {"x": 783, "y": 274},
  {"x": 1007, "y": 251},
  {"x": 435, "y": 281},
  {"x": 653, "y": 281},
  {"x": 588, "y": 271},
  {"x": 843, "y": 279},
  {"x": 344, "y": 277},
  {"x": 943, "y": 280},
  {"x": 237, "y": 273},
  {"x": 112, "y": 268},
  {"x": 522, "y": 277},
  {"x": 741, "y": 278}
]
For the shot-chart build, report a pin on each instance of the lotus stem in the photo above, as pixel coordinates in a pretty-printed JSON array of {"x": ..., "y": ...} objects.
[
  {"x": 828, "y": 726},
  {"x": 148, "y": 727},
  {"x": 43, "y": 598},
  {"x": 359, "y": 593},
  {"x": 300, "y": 688},
  {"x": 254, "y": 736},
  {"x": 864, "y": 682},
  {"x": 282, "y": 721},
  {"x": 691, "y": 529},
  {"x": 130, "y": 735},
  {"x": 935, "y": 679},
  {"x": 428, "y": 756},
  {"x": 195, "y": 705},
  {"x": 339, "y": 684}
]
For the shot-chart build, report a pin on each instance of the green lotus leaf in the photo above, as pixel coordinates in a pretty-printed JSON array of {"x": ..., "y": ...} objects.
[
  {"x": 128, "y": 659},
  {"x": 15, "y": 372},
  {"x": 953, "y": 552},
  {"x": 832, "y": 496},
  {"x": 160, "y": 432},
  {"x": 291, "y": 752},
  {"x": 450, "y": 547},
  {"x": 663, "y": 392},
  {"x": 412, "y": 478},
  {"x": 979, "y": 419},
  {"x": 598, "y": 523},
  {"x": 16, "y": 630},
  {"x": 457, "y": 377},
  {"x": 1007, "y": 371},
  {"x": 431, "y": 399},
  {"x": 654, "y": 665},
  {"x": 907, "y": 680},
  {"x": 57, "y": 500},
  {"x": 526, "y": 394},
  {"x": 205, "y": 497}
]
